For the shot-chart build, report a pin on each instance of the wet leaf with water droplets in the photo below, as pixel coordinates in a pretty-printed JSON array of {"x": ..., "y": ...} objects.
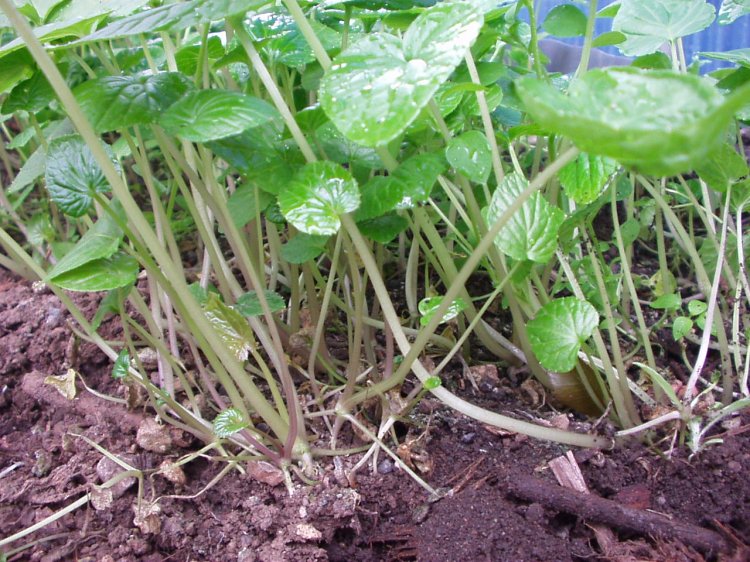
[
  {"x": 471, "y": 155},
  {"x": 603, "y": 113},
  {"x": 317, "y": 196},
  {"x": 376, "y": 88}
]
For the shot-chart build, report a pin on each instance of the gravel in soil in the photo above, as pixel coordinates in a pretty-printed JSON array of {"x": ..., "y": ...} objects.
[{"x": 45, "y": 466}]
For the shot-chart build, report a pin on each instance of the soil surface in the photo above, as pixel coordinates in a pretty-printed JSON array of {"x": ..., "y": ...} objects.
[{"x": 48, "y": 461}]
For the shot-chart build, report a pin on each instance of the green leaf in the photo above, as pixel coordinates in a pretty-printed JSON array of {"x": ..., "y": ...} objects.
[
  {"x": 584, "y": 178},
  {"x": 249, "y": 304},
  {"x": 670, "y": 301},
  {"x": 73, "y": 174},
  {"x": 82, "y": 8},
  {"x": 470, "y": 154},
  {"x": 559, "y": 329},
  {"x": 105, "y": 274},
  {"x": 378, "y": 196},
  {"x": 229, "y": 422},
  {"x": 607, "y": 39},
  {"x": 99, "y": 242},
  {"x": 681, "y": 327},
  {"x": 647, "y": 24},
  {"x": 377, "y": 87},
  {"x": 410, "y": 184},
  {"x": 172, "y": 17},
  {"x": 44, "y": 7},
  {"x": 383, "y": 229},
  {"x": 317, "y": 196},
  {"x": 37, "y": 162},
  {"x": 208, "y": 115},
  {"x": 112, "y": 303},
  {"x": 740, "y": 195},
  {"x": 730, "y": 10},
  {"x": 31, "y": 95},
  {"x": 292, "y": 49},
  {"x": 604, "y": 111},
  {"x": 696, "y": 308},
  {"x": 416, "y": 176},
  {"x": 230, "y": 325},
  {"x": 531, "y": 233},
  {"x": 722, "y": 167},
  {"x": 116, "y": 102},
  {"x": 343, "y": 151},
  {"x": 428, "y": 306},
  {"x": 246, "y": 203},
  {"x": 737, "y": 56},
  {"x": 565, "y": 20},
  {"x": 303, "y": 248},
  {"x": 187, "y": 57},
  {"x": 54, "y": 31},
  {"x": 630, "y": 230},
  {"x": 16, "y": 68},
  {"x": 122, "y": 365}
]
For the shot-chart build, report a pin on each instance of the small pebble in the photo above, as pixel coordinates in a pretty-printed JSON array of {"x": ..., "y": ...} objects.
[
  {"x": 734, "y": 466},
  {"x": 385, "y": 466},
  {"x": 43, "y": 463},
  {"x": 468, "y": 438}
]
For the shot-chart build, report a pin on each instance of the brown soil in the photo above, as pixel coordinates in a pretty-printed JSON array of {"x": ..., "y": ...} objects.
[{"x": 386, "y": 516}]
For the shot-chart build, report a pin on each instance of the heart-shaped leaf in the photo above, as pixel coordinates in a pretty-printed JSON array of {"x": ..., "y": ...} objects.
[
  {"x": 303, "y": 247},
  {"x": 383, "y": 229},
  {"x": 558, "y": 330},
  {"x": 249, "y": 303},
  {"x": 317, "y": 196},
  {"x": 722, "y": 167},
  {"x": 208, "y": 115},
  {"x": 660, "y": 122},
  {"x": 73, "y": 175},
  {"x": 585, "y": 178},
  {"x": 648, "y": 24},
  {"x": 378, "y": 86},
  {"x": 229, "y": 422},
  {"x": 470, "y": 154},
  {"x": 531, "y": 233},
  {"x": 115, "y": 102},
  {"x": 565, "y": 20}
]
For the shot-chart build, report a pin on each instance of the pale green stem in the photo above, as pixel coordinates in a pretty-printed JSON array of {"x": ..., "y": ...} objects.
[
  {"x": 705, "y": 284},
  {"x": 307, "y": 31},
  {"x": 616, "y": 382},
  {"x": 471, "y": 410},
  {"x": 182, "y": 298},
  {"x": 628, "y": 278},
  {"x": 489, "y": 129},
  {"x": 273, "y": 90},
  {"x": 586, "y": 53}
]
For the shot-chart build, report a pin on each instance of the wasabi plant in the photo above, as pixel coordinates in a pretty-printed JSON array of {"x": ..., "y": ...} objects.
[{"x": 250, "y": 182}]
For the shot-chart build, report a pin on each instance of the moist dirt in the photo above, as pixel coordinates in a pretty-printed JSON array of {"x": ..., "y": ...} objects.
[{"x": 48, "y": 462}]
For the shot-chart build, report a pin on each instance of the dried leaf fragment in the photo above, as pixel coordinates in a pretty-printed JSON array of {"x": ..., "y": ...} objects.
[{"x": 65, "y": 384}]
